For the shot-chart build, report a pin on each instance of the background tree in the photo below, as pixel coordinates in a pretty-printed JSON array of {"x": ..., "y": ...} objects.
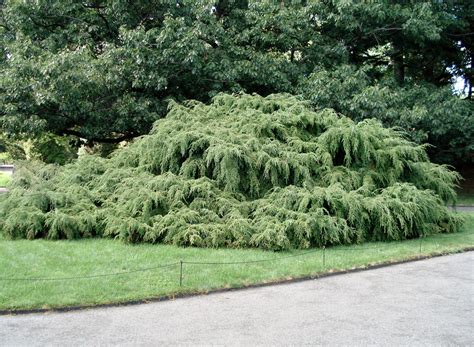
[{"x": 104, "y": 70}]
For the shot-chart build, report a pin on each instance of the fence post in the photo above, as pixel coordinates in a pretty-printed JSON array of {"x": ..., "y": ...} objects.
[
  {"x": 324, "y": 256},
  {"x": 180, "y": 272}
]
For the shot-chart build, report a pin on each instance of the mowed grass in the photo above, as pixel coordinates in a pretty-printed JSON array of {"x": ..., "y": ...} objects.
[
  {"x": 465, "y": 200},
  {"x": 4, "y": 179},
  {"x": 52, "y": 259}
]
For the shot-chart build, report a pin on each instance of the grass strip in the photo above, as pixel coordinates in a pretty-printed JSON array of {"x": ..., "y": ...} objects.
[
  {"x": 4, "y": 179},
  {"x": 465, "y": 200},
  {"x": 87, "y": 260}
]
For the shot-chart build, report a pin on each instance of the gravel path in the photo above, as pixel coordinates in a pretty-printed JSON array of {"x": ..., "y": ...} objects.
[
  {"x": 463, "y": 208},
  {"x": 427, "y": 302}
]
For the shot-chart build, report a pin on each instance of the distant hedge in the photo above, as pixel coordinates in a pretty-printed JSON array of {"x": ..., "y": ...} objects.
[{"x": 244, "y": 171}]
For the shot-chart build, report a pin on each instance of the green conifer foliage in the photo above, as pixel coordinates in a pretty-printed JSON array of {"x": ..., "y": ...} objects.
[{"x": 244, "y": 171}]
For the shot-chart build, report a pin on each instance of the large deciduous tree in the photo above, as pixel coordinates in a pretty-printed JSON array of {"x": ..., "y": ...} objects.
[{"x": 104, "y": 70}]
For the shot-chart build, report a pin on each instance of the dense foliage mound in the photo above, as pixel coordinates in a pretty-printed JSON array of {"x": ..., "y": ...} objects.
[{"x": 245, "y": 171}]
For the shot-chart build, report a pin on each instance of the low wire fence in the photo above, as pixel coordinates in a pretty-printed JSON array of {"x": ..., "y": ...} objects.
[{"x": 182, "y": 263}]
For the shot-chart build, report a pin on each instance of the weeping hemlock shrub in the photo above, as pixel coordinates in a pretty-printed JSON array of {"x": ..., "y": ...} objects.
[{"x": 245, "y": 171}]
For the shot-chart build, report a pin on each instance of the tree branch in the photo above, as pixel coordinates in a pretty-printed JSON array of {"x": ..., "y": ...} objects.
[{"x": 124, "y": 137}]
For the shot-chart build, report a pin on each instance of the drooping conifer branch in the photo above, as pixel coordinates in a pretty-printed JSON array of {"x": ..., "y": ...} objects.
[{"x": 245, "y": 171}]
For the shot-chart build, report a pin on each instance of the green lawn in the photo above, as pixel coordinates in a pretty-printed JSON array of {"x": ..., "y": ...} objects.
[
  {"x": 465, "y": 200},
  {"x": 466, "y": 188},
  {"x": 40, "y": 258},
  {"x": 4, "y": 179}
]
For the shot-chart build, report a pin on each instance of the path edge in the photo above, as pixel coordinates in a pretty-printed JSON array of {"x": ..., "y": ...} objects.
[{"x": 172, "y": 297}]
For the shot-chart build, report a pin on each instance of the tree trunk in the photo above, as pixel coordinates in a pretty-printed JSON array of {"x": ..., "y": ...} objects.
[
  {"x": 469, "y": 78},
  {"x": 428, "y": 73},
  {"x": 469, "y": 89},
  {"x": 398, "y": 64}
]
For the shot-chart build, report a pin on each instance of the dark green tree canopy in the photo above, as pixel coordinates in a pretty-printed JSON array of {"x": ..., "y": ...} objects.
[{"x": 105, "y": 70}]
